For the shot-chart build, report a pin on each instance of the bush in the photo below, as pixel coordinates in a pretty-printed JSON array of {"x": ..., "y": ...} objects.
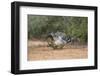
[{"x": 39, "y": 26}]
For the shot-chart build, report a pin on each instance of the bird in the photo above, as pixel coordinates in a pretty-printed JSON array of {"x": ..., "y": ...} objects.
[{"x": 58, "y": 39}]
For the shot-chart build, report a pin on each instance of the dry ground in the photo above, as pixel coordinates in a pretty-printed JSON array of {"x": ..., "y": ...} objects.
[{"x": 38, "y": 50}]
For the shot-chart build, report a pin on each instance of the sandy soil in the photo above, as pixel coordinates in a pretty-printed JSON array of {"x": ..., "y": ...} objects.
[{"x": 38, "y": 50}]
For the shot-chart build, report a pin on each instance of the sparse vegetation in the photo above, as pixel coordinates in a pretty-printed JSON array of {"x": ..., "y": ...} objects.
[{"x": 40, "y": 26}]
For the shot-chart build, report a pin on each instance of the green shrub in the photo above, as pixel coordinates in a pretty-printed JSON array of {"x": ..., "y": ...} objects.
[{"x": 39, "y": 26}]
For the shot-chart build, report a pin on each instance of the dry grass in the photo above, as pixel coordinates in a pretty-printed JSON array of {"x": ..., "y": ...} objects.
[{"x": 38, "y": 50}]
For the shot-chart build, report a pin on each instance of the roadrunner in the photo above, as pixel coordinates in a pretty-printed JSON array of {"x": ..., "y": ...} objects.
[{"x": 58, "y": 39}]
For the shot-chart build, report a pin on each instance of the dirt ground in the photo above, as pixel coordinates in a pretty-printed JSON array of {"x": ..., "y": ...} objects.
[{"x": 38, "y": 50}]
